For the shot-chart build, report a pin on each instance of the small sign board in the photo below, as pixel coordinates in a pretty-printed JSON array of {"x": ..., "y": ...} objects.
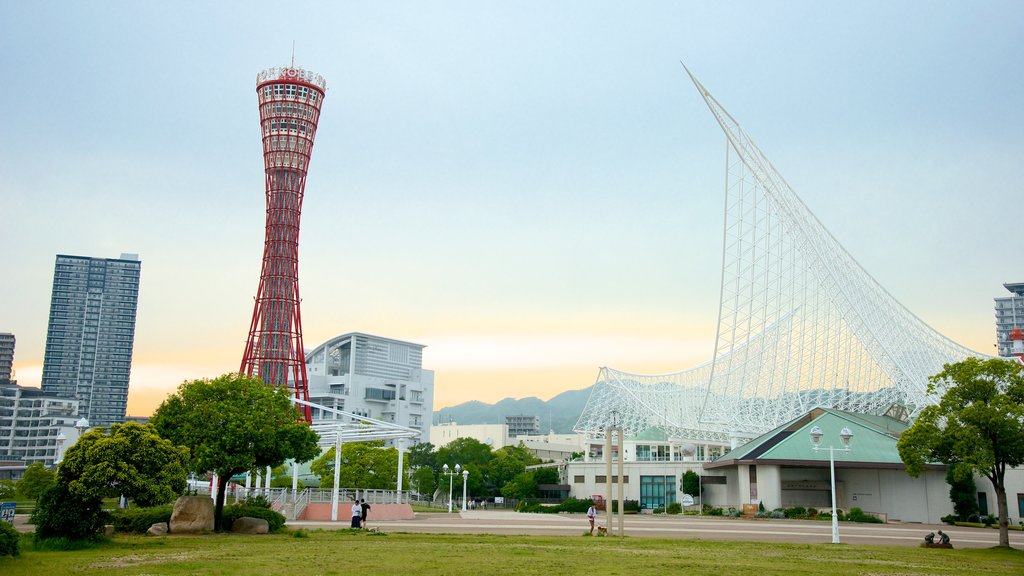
[
  {"x": 7, "y": 511},
  {"x": 686, "y": 500}
]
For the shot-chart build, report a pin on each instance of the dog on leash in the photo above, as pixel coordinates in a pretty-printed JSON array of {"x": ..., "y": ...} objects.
[{"x": 602, "y": 531}]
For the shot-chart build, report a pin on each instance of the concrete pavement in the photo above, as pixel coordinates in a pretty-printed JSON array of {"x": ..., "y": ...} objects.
[{"x": 684, "y": 527}]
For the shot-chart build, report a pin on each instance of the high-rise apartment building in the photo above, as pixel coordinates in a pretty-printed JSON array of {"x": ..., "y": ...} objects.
[
  {"x": 6, "y": 357},
  {"x": 91, "y": 334},
  {"x": 1009, "y": 315}
]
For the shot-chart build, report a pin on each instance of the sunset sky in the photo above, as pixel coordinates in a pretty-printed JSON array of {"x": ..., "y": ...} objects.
[{"x": 530, "y": 189}]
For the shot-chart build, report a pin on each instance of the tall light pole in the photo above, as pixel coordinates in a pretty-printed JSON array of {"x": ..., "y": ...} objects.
[
  {"x": 451, "y": 480},
  {"x": 845, "y": 435},
  {"x": 465, "y": 477}
]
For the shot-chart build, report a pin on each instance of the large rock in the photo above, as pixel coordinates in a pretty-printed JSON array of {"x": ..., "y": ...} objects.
[
  {"x": 250, "y": 525},
  {"x": 158, "y": 529},
  {"x": 192, "y": 514}
]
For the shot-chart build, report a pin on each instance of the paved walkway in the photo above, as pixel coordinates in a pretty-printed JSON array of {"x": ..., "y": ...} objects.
[{"x": 684, "y": 527}]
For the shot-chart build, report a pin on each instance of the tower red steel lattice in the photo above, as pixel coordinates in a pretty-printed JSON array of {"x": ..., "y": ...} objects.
[{"x": 290, "y": 99}]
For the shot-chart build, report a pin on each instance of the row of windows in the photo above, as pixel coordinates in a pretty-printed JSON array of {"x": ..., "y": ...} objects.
[
  {"x": 289, "y": 109},
  {"x": 293, "y": 143},
  {"x": 291, "y": 91},
  {"x": 300, "y": 126}
]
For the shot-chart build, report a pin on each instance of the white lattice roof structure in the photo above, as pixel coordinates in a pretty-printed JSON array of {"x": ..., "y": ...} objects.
[{"x": 800, "y": 324}]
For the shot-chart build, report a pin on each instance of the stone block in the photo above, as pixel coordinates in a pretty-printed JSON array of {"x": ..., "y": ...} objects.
[
  {"x": 192, "y": 514},
  {"x": 250, "y": 525}
]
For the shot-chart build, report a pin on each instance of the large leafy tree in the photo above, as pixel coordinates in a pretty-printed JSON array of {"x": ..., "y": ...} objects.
[
  {"x": 363, "y": 465},
  {"x": 36, "y": 480},
  {"x": 978, "y": 425},
  {"x": 130, "y": 459},
  {"x": 232, "y": 424}
]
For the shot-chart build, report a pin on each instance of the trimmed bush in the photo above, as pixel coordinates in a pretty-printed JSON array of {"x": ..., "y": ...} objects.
[
  {"x": 232, "y": 513},
  {"x": 777, "y": 514},
  {"x": 675, "y": 508},
  {"x": 658, "y": 511},
  {"x": 60, "y": 514},
  {"x": 138, "y": 520},
  {"x": 8, "y": 540},
  {"x": 796, "y": 512}
]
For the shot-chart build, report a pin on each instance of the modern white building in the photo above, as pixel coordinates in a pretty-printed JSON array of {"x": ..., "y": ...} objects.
[
  {"x": 781, "y": 469},
  {"x": 372, "y": 376},
  {"x": 34, "y": 426},
  {"x": 1009, "y": 315},
  {"x": 547, "y": 447}
]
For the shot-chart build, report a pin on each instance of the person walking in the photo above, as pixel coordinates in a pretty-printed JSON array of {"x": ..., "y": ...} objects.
[
  {"x": 591, "y": 515},
  {"x": 364, "y": 509},
  {"x": 357, "y": 515}
]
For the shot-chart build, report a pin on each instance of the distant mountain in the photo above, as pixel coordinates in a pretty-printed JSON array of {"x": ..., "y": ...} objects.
[{"x": 559, "y": 414}]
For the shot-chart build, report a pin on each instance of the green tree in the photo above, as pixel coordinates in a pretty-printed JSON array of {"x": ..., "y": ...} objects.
[
  {"x": 8, "y": 489},
  {"x": 546, "y": 476},
  {"x": 691, "y": 483},
  {"x": 364, "y": 465},
  {"x": 130, "y": 459},
  {"x": 37, "y": 479},
  {"x": 962, "y": 491},
  {"x": 421, "y": 455},
  {"x": 977, "y": 425},
  {"x": 424, "y": 481},
  {"x": 522, "y": 486},
  {"x": 232, "y": 424}
]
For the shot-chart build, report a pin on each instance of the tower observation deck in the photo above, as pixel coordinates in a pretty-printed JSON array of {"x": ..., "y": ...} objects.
[{"x": 289, "y": 101}]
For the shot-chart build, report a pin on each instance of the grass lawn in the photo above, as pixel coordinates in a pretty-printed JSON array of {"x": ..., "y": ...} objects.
[{"x": 350, "y": 552}]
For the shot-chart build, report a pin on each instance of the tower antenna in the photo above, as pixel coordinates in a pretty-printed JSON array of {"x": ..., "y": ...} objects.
[{"x": 293, "y": 53}]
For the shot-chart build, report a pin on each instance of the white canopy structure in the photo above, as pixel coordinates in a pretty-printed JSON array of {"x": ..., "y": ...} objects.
[{"x": 349, "y": 427}]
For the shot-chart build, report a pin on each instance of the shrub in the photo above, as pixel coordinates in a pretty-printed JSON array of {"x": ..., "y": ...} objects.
[
  {"x": 763, "y": 514},
  {"x": 989, "y": 520},
  {"x": 732, "y": 513},
  {"x": 777, "y": 514},
  {"x": 796, "y": 512},
  {"x": 711, "y": 510},
  {"x": 950, "y": 519},
  {"x": 232, "y": 513},
  {"x": 8, "y": 540},
  {"x": 138, "y": 520},
  {"x": 975, "y": 517},
  {"x": 675, "y": 508},
  {"x": 812, "y": 512},
  {"x": 658, "y": 510},
  {"x": 61, "y": 514},
  {"x": 257, "y": 500}
]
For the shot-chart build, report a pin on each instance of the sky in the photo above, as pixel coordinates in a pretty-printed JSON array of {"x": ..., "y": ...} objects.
[{"x": 532, "y": 190}]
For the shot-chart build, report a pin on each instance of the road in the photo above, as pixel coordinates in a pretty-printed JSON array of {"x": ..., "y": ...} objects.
[{"x": 685, "y": 527}]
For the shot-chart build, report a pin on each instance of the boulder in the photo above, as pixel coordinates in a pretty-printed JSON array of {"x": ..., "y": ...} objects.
[
  {"x": 158, "y": 529},
  {"x": 250, "y": 525},
  {"x": 192, "y": 514}
]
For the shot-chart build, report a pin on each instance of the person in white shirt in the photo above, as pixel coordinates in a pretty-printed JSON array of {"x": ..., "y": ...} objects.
[
  {"x": 591, "y": 515},
  {"x": 357, "y": 515}
]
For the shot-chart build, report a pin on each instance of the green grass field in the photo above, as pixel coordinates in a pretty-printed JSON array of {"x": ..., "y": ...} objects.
[{"x": 348, "y": 552}]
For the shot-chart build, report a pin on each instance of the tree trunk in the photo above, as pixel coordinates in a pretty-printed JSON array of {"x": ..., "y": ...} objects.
[
  {"x": 1004, "y": 520},
  {"x": 218, "y": 512}
]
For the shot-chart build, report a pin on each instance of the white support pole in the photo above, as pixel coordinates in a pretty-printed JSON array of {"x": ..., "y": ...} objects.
[
  {"x": 295, "y": 480},
  {"x": 213, "y": 487},
  {"x": 621, "y": 482},
  {"x": 832, "y": 474},
  {"x": 248, "y": 483},
  {"x": 267, "y": 486},
  {"x": 608, "y": 477},
  {"x": 399, "y": 444},
  {"x": 259, "y": 484},
  {"x": 337, "y": 475}
]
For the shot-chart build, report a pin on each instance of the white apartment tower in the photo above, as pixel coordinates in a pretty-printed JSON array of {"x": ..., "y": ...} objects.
[{"x": 372, "y": 376}]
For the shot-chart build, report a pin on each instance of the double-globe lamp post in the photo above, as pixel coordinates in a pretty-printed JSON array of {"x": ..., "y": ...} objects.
[
  {"x": 845, "y": 435},
  {"x": 451, "y": 480},
  {"x": 465, "y": 477}
]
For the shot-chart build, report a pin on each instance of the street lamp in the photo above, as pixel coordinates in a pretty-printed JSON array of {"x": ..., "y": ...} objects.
[
  {"x": 465, "y": 477},
  {"x": 451, "y": 479},
  {"x": 845, "y": 435}
]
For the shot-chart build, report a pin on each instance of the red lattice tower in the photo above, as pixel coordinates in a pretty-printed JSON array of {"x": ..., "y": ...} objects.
[{"x": 290, "y": 100}]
